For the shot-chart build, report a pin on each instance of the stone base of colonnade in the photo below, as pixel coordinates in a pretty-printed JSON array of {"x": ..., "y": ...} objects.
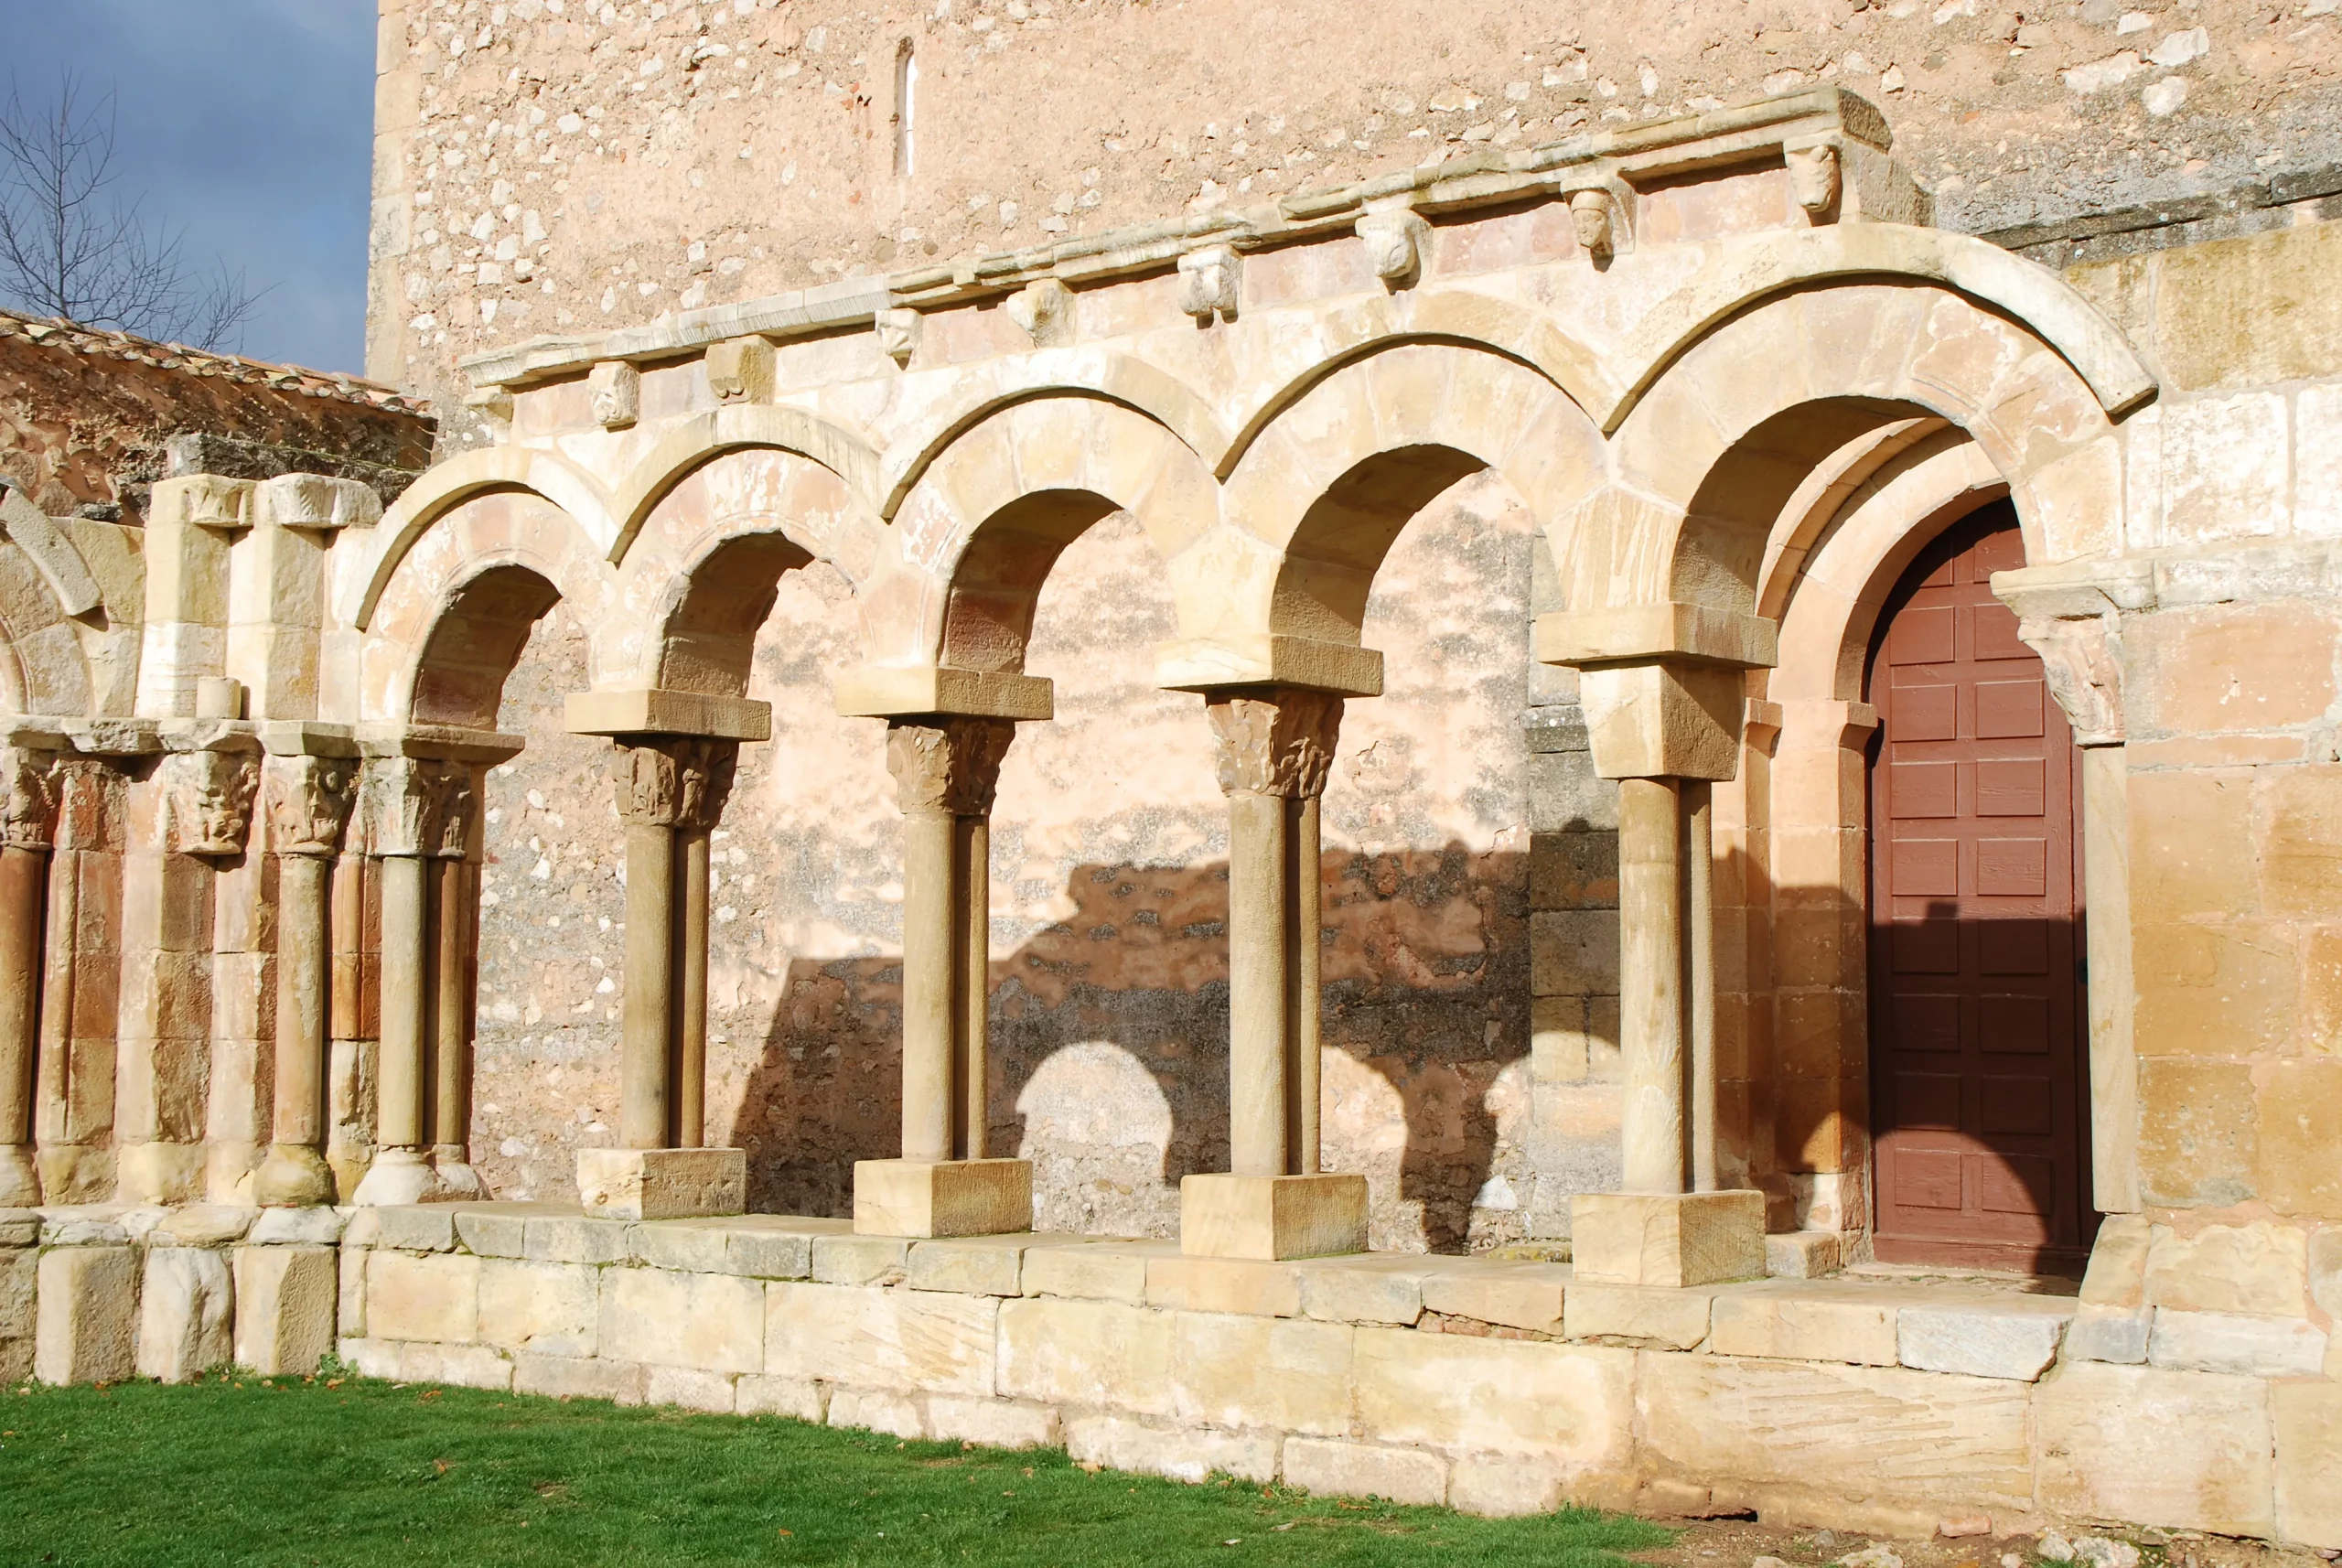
[
  {"x": 1272, "y": 1217},
  {"x": 1672, "y": 1240},
  {"x": 663, "y": 1184},
  {"x": 933, "y": 1198}
]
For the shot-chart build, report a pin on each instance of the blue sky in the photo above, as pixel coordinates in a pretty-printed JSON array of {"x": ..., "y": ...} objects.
[{"x": 246, "y": 123}]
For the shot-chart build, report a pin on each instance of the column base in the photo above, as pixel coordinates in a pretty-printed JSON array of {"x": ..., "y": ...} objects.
[
  {"x": 1272, "y": 1217},
  {"x": 1669, "y": 1240},
  {"x": 293, "y": 1175},
  {"x": 398, "y": 1177},
  {"x": 19, "y": 1177},
  {"x": 76, "y": 1173},
  {"x": 456, "y": 1173},
  {"x": 228, "y": 1167},
  {"x": 943, "y": 1198},
  {"x": 160, "y": 1174},
  {"x": 663, "y": 1184}
]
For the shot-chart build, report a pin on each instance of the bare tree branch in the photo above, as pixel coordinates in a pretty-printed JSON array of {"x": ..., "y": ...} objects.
[{"x": 71, "y": 247}]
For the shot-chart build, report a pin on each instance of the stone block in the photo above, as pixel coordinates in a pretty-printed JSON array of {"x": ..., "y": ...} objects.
[
  {"x": 1518, "y": 1295},
  {"x": 415, "y": 1228},
  {"x": 2258, "y": 1268},
  {"x": 860, "y": 1260},
  {"x": 574, "y": 1238},
  {"x": 87, "y": 1321},
  {"x": 1502, "y": 1486},
  {"x": 943, "y": 1198},
  {"x": 972, "y": 1268},
  {"x": 1853, "y": 1433},
  {"x": 688, "y": 1387},
  {"x": 19, "y": 1267},
  {"x": 715, "y": 1323},
  {"x": 566, "y": 1377},
  {"x": 2308, "y": 1418},
  {"x": 1363, "y": 1470},
  {"x": 1181, "y": 1454},
  {"x": 494, "y": 1231},
  {"x": 879, "y": 1410},
  {"x": 204, "y": 1225},
  {"x": 661, "y": 1184},
  {"x": 2301, "y": 1123},
  {"x": 1804, "y": 1254},
  {"x": 314, "y": 1226},
  {"x": 2014, "y": 1338},
  {"x": 1224, "y": 1284},
  {"x": 1272, "y": 1217},
  {"x": 2117, "y": 1275},
  {"x": 678, "y": 1244},
  {"x": 1573, "y": 1405},
  {"x": 990, "y": 1423},
  {"x": 1287, "y": 1373},
  {"x": 2109, "y": 1334},
  {"x": 2198, "y": 1142},
  {"x": 1098, "y": 1271},
  {"x": 1809, "y": 1323},
  {"x": 1670, "y": 1319},
  {"x": 545, "y": 1309},
  {"x": 432, "y": 1296},
  {"x": 285, "y": 1303},
  {"x": 186, "y": 1306},
  {"x": 1671, "y": 1241},
  {"x": 2178, "y": 1450},
  {"x": 770, "y": 1250},
  {"x": 2326, "y": 1271},
  {"x": 349, "y": 1311},
  {"x": 798, "y": 1399},
  {"x": 2235, "y": 1343},
  {"x": 1078, "y": 1352},
  {"x": 901, "y": 1339},
  {"x": 1372, "y": 1287},
  {"x": 463, "y": 1366}
]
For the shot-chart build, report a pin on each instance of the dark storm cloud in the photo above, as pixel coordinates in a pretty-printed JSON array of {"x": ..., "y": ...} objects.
[{"x": 246, "y": 123}]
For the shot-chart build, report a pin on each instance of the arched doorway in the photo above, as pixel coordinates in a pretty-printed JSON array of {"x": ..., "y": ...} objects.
[{"x": 1980, "y": 1110}]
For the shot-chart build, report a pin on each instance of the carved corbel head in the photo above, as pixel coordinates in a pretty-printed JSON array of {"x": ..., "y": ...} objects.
[
  {"x": 1594, "y": 218},
  {"x": 616, "y": 388},
  {"x": 1044, "y": 309},
  {"x": 740, "y": 369},
  {"x": 899, "y": 333},
  {"x": 1396, "y": 241},
  {"x": 1211, "y": 284},
  {"x": 1815, "y": 174}
]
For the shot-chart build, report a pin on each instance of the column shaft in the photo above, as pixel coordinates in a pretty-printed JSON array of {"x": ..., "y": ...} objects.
[
  {"x": 1650, "y": 975},
  {"x": 649, "y": 1003},
  {"x": 691, "y": 989},
  {"x": 1700, "y": 975},
  {"x": 298, "y": 1113},
  {"x": 929, "y": 966},
  {"x": 1303, "y": 1154},
  {"x": 23, "y": 897},
  {"x": 1259, "y": 982},
  {"x": 405, "y": 983},
  {"x": 451, "y": 1006},
  {"x": 973, "y": 912}
]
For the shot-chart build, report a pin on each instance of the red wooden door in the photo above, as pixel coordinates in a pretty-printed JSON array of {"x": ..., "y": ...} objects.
[{"x": 1979, "y": 1113}]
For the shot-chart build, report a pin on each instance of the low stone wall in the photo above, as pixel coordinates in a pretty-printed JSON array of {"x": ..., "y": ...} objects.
[{"x": 1879, "y": 1405}]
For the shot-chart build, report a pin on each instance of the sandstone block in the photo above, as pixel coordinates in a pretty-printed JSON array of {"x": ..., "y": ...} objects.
[
  {"x": 1809, "y": 1323},
  {"x": 1362, "y": 1470},
  {"x": 494, "y": 1230},
  {"x": 2014, "y": 1338},
  {"x": 285, "y": 1299},
  {"x": 464, "y": 1366},
  {"x": 971, "y": 1267},
  {"x": 2308, "y": 1418},
  {"x": 1675, "y": 1319},
  {"x": 2117, "y": 1275},
  {"x": 2197, "y": 1125},
  {"x": 762, "y": 1248},
  {"x": 574, "y": 1238},
  {"x": 1372, "y": 1287},
  {"x": 2301, "y": 1118},
  {"x": 946, "y": 1198},
  {"x": 415, "y": 1228},
  {"x": 682, "y": 1245},
  {"x": 349, "y": 1311},
  {"x": 1100, "y": 1271},
  {"x": 2257, "y": 1268},
  {"x": 186, "y": 1306},
  {"x": 19, "y": 1227},
  {"x": 19, "y": 1267},
  {"x": 688, "y": 1387},
  {"x": 2181, "y": 1450},
  {"x": 879, "y": 1410},
  {"x": 905, "y": 1340},
  {"x": 1223, "y": 1285},
  {"x": 566, "y": 1377},
  {"x": 1272, "y": 1217},
  {"x": 86, "y": 1227},
  {"x": 316, "y": 1226},
  {"x": 431, "y": 1296},
  {"x": 1075, "y": 1352},
  {"x": 204, "y": 1225},
  {"x": 1804, "y": 1254},
  {"x": 1500, "y": 1486},
  {"x": 1182, "y": 1454},
  {"x": 860, "y": 1259},
  {"x": 2109, "y": 1334},
  {"x": 798, "y": 1399},
  {"x": 711, "y": 1322},
  {"x": 546, "y": 1309},
  {"x": 1672, "y": 1241},
  {"x": 1570, "y": 1404},
  {"x": 1287, "y": 1373},
  {"x": 86, "y": 1325},
  {"x": 2235, "y": 1343},
  {"x": 1860, "y": 1432},
  {"x": 1519, "y": 1295},
  {"x": 991, "y": 1423},
  {"x": 661, "y": 1184}
]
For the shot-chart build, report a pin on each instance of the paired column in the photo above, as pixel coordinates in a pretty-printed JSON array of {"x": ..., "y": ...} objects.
[
  {"x": 671, "y": 794},
  {"x": 28, "y": 820},
  {"x": 1276, "y": 748},
  {"x": 308, "y": 804},
  {"x": 946, "y": 768}
]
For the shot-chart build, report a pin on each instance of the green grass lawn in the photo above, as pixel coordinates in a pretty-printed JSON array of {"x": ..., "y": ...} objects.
[{"x": 351, "y": 1472}]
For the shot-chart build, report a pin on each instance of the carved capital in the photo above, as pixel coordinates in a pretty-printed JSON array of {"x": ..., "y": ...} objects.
[
  {"x": 1275, "y": 742},
  {"x": 308, "y": 803},
  {"x": 2081, "y": 658},
  {"x": 455, "y": 794},
  {"x": 28, "y": 809},
  {"x": 207, "y": 802},
  {"x": 947, "y": 764},
  {"x": 397, "y": 800},
  {"x": 679, "y": 781}
]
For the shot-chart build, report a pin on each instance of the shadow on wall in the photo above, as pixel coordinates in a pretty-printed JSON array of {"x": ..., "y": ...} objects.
[{"x": 1109, "y": 1047}]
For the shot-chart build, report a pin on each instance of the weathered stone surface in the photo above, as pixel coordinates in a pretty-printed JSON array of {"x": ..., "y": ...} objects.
[
  {"x": 661, "y": 1184},
  {"x": 1272, "y": 1217},
  {"x": 682, "y": 1245},
  {"x": 2015, "y": 1337},
  {"x": 892, "y": 1340},
  {"x": 1671, "y": 1243},
  {"x": 879, "y": 1410},
  {"x": 2106, "y": 1447},
  {"x": 1183, "y": 1454},
  {"x": 2109, "y": 1334},
  {"x": 1571, "y": 1404},
  {"x": 415, "y": 1228},
  {"x": 2257, "y": 1268},
  {"x": 2234, "y": 1342},
  {"x": 688, "y": 1387},
  {"x": 1371, "y": 1288},
  {"x": 186, "y": 1304},
  {"x": 947, "y": 1198},
  {"x": 285, "y": 1299},
  {"x": 545, "y": 1309},
  {"x": 973, "y": 1267},
  {"x": 715, "y": 1323},
  {"x": 860, "y": 1259},
  {"x": 2118, "y": 1262},
  {"x": 573, "y": 1238},
  {"x": 1078, "y": 1353},
  {"x": 18, "y": 1267},
  {"x": 1290, "y": 1374},
  {"x": 205, "y": 1225},
  {"x": 993, "y": 1424},
  {"x": 1518, "y": 1295},
  {"x": 1224, "y": 1284},
  {"x": 464, "y": 1366},
  {"x": 798, "y": 1399},
  {"x": 1362, "y": 1470},
  {"x": 768, "y": 1249},
  {"x": 1803, "y": 1254},
  {"x": 1500, "y": 1486},
  {"x": 564, "y": 1377},
  {"x": 1108, "y": 1271},
  {"x": 311, "y": 1227},
  {"x": 1677, "y": 1319},
  {"x": 424, "y": 1296},
  {"x": 1806, "y": 1323},
  {"x": 2308, "y": 1419}
]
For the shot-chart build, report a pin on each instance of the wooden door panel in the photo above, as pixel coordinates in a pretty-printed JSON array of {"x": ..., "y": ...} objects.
[{"x": 1978, "y": 1092}]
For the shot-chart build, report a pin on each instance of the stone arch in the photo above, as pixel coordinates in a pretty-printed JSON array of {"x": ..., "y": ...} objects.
[
  {"x": 461, "y": 668},
  {"x": 1321, "y": 494},
  {"x": 42, "y": 667},
  {"x": 706, "y": 436}
]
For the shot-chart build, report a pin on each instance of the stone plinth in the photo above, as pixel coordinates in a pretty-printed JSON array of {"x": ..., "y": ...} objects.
[
  {"x": 943, "y": 1198},
  {"x": 1272, "y": 1217},
  {"x": 1672, "y": 1240},
  {"x": 661, "y": 1184}
]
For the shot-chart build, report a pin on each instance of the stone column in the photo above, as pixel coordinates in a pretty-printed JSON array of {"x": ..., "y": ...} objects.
[
  {"x": 309, "y": 799},
  {"x": 670, "y": 793},
  {"x": 27, "y": 821},
  {"x": 401, "y": 805},
  {"x": 1276, "y": 747},
  {"x": 452, "y": 887},
  {"x": 946, "y": 768},
  {"x": 1650, "y": 983}
]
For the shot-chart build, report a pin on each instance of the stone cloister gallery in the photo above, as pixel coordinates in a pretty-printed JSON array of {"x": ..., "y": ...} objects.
[{"x": 1961, "y": 761}]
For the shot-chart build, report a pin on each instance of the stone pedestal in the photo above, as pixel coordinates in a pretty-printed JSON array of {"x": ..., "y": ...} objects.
[
  {"x": 1273, "y": 1217},
  {"x": 661, "y": 1184},
  {"x": 943, "y": 1198},
  {"x": 398, "y": 1177},
  {"x": 1669, "y": 1240}
]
